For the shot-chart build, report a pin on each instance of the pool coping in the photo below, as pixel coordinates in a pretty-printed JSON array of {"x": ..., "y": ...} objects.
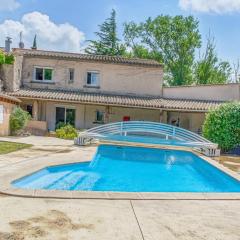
[{"x": 29, "y": 168}]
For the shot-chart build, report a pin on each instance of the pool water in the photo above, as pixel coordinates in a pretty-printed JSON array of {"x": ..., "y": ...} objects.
[{"x": 134, "y": 169}]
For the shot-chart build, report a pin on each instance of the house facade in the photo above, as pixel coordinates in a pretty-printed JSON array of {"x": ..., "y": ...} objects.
[{"x": 87, "y": 91}]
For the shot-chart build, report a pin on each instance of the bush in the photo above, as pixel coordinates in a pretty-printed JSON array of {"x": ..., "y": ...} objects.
[
  {"x": 2, "y": 57},
  {"x": 6, "y": 58},
  {"x": 66, "y": 132},
  {"x": 60, "y": 125},
  {"x": 18, "y": 120},
  {"x": 222, "y": 126},
  {"x": 9, "y": 59}
]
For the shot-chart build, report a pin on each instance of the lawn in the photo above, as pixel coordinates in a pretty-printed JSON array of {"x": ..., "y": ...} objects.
[{"x": 7, "y": 147}]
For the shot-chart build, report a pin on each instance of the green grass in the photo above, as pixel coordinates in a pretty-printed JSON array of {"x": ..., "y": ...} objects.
[{"x": 7, "y": 147}]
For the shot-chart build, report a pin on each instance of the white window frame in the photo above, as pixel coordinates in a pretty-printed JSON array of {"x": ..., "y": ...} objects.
[
  {"x": 46, "y": 81},
  {"x": 98, "y": 80}
]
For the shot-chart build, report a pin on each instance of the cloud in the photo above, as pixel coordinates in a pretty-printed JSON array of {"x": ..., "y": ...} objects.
[
  {"x": 215, "y": 6},
  {"x": 50, "y": 36},
  {"x": 8, "y": 5}
]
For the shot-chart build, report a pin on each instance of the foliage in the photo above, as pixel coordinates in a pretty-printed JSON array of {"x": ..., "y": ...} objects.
[
  {"x": 7, "y": 147},
  {"x": 6, "y": 58},
  {"x": 222, "y": 126},
  {"x": 171, "y": 40},
  {"x": 209, "y": 70},
  {"x": 66, "y": 132},
  {"x": 60, "y": 125},
  {"x": 108, "y": 43},
  {"x": 2, "y": 57},
  {"x": 9, "y": 59},
  {"x": 18, "y": 119}
]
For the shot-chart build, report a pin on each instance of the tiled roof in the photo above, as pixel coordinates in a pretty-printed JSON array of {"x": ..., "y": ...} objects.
[
  {"x": 116, "y": 100},
  {"x": 9, "y": 98},
  {"x": 88, "y": 57}
]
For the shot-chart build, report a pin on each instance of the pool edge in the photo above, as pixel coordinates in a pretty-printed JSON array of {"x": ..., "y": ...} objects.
[{"x": 6, "y": 187}]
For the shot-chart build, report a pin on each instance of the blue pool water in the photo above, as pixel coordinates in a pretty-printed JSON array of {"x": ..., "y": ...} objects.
[{"x": 134, "y": 169}]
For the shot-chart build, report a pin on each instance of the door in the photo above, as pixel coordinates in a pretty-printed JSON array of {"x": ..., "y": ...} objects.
[{"x": 65, "y": 115}]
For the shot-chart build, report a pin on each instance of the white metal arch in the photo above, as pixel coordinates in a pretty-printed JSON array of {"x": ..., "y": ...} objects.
[{"x": 123, "y": 129}]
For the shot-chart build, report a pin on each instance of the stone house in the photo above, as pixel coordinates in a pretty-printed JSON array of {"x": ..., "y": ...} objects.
[{"x": 86, "y": 91}]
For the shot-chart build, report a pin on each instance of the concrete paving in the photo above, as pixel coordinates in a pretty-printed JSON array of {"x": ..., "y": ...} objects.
[{"x": 25, "y": 218}]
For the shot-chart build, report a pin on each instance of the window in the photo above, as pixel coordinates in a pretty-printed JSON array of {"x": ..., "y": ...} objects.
[
  {"x": 65, "y": 115},
  {"x": 71, "y": 75},
  {"x": 43, "y": 74},
  {"x": 93, "y": 79},
  {"x": 99, "y": 117}
]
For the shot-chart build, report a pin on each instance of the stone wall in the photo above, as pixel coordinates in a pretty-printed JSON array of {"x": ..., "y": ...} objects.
[{"x": 10, "y": 74}]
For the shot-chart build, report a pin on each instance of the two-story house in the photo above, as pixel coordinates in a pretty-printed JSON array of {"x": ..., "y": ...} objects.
[{"x": 88, "y": 90}]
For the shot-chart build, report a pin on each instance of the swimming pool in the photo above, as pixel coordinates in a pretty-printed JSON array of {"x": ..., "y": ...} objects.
[{"x": 134, "y": 169}]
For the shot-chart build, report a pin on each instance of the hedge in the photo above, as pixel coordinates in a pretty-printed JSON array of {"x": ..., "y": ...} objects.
[{"x": 222, "y": 126}]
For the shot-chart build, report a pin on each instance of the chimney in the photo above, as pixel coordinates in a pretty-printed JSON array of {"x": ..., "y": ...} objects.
[{"x": 8, "y": 42}]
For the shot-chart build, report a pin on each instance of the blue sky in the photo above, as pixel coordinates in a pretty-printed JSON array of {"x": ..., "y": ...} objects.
[{"x": 48, "y": 19}]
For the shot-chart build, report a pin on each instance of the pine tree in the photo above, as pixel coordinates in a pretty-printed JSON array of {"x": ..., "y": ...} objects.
[{"x": 108, "y": 43}]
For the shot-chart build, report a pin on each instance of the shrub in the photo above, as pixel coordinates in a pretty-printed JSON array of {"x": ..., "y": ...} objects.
[
  {"x": 18, "y": 120},
  {"x": 60, "y": 125},
  {"x": 222, "y": 126},
  {"x": 66, "y": 132},
  {"x": 2, "y": 57},
  {"x": 9, "y": 59},
  {"x": 6, "y": 58}
]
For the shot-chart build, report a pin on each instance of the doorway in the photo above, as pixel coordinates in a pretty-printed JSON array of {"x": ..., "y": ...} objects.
[{"x": 65, "y": 115}]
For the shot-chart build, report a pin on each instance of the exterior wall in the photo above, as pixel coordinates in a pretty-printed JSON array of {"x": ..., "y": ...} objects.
[
  {"x": 113, "y": 77},
  {"x": 221, "y": 92},
  {"x": 11, "y": 74},
  {"x": 7, "y": 76},
  {"x": 135, "y": 114},
  {"x": 188, "y": 120},
  {"x": 85, "y": 114},
  {"x": 7, "y": 109}
]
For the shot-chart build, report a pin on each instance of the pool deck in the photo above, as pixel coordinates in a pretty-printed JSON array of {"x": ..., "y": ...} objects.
[
  {"x": 64, "y": 153},
  {"x": 130, "y": 217}
]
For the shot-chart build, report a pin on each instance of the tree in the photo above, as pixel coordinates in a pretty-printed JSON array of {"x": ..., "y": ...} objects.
[
  {"x": 209, "y": 70},
  {"x": 170, "y": 40},
  {"x": 108, "y": 43}
]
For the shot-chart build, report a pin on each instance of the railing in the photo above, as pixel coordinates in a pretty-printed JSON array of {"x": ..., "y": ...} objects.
[{"x": 143, "y": 127}]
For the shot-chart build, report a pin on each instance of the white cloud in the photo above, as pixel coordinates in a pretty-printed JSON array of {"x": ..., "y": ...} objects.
[
  {"x": 8, "y": 5},
  {"x": 50, "y": 36},
  {"x": 215, "y": 6}
]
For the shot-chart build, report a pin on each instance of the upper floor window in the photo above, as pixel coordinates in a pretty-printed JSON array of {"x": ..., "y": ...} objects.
[
  {"x": 93, "y": 79},
  {"x": 71, "y": 75},
  {"x": 43, "y": 74}
]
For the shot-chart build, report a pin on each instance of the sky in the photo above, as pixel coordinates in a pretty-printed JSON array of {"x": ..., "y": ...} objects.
[{"x": 65, "y": 25}]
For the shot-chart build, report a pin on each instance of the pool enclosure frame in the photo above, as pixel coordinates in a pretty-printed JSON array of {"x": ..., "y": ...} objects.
[{"x": 169, "y": 132}]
